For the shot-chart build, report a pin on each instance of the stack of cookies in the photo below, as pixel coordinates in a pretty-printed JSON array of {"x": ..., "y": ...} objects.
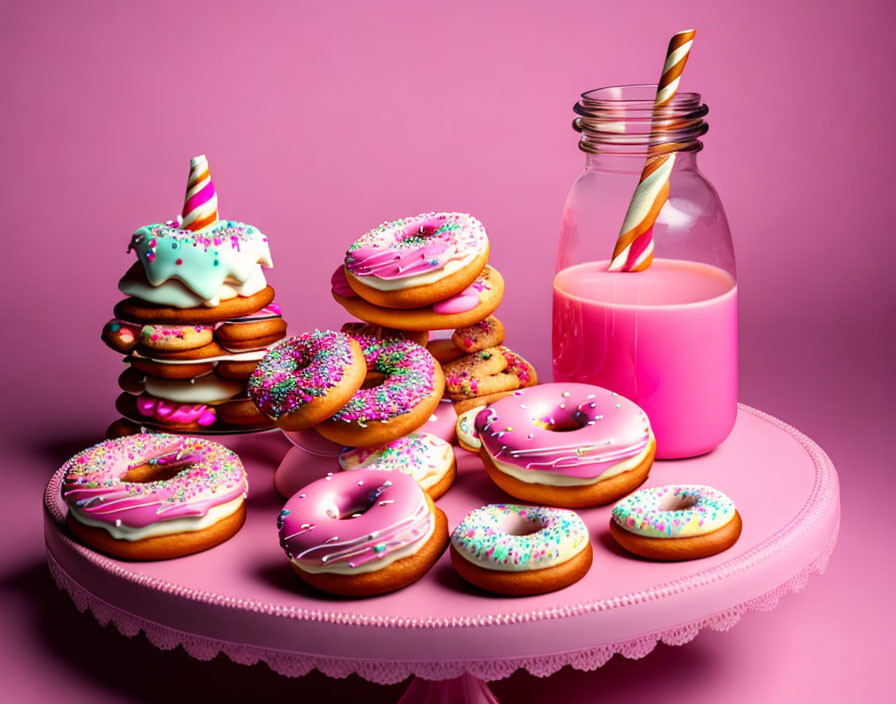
[
  {"x": 430, "y": 272},
  {"x": 198, "y": 318}
]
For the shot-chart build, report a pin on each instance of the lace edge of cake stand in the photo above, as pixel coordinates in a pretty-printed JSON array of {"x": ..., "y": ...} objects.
[{"x": 390, "y": 672}]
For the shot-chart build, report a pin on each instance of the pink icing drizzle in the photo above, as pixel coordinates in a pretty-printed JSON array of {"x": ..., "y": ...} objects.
[
  {"x": 160, "y": 409},
  {"x": 415, "y": 245},
  {"x": 340, "y": 284},
  {"x": 354, "y": 517},
  {"x": 466, "y": 300},
  {"x": 211, "y": 475},
  {"x": 609, "y": 429}
]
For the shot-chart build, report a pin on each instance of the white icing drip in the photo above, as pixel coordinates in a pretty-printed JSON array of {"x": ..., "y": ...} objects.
[
  {"x": 203, "y": 389},
  {"x": 372, "y": 565},
  {"x": 174, "y": 293},
  {"x": 429, "y": 277},
  {"x": 534, "y": 476},
  {"x": 164, "y": 527}
]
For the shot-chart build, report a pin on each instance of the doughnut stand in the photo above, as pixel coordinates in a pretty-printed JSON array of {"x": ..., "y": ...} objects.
[{"x": 241, "y": 598}]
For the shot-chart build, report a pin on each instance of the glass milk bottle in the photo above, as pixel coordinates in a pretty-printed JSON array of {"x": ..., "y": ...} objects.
[{"x": 665, "y": 337}]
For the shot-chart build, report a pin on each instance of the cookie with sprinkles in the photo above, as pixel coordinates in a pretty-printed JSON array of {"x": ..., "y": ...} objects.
[
  {"x": 417, "y": 261},
  {"x": 521, "y": 550},
  {"x": 306, "y": 379},
  {"x": 676, "y": 522}
]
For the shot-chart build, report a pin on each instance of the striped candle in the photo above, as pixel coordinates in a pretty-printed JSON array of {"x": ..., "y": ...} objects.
[{"x": 201, "y": 201}]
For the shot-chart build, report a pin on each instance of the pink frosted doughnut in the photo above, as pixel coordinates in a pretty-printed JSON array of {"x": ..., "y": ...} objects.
[
  {"x": 362, "y": 532},
  {"x": 417, "y": 261},
  {"x": 152, "y": 496},
  {"x": 569, "y": 445}
]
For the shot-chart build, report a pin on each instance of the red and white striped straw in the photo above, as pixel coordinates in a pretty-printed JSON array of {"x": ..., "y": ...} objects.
[{"x": 634, "y": 247}]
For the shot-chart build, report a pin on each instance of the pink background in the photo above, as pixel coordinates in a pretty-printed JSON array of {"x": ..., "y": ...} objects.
[{"x": 321, "y": 121}]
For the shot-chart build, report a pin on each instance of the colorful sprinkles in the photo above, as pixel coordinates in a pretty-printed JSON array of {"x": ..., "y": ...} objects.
[
  {"x": 483, "y": 537},
  {"x": 201, "y": 260},
  {"x": 209, "y": 475},
  {"x": 416, "y": 245},
  {"x": 422, "y": 455},
  {"x": 674, "y": 511},
  {"x": 410, "y": 378},
  {"x": 299, "y": 370}
]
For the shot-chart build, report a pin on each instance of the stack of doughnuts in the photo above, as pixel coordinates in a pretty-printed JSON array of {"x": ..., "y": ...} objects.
[
  {"x": 430, "y": 272},
  {"x": 355, "y": 390},
  {"x": 198, "y": 317}
]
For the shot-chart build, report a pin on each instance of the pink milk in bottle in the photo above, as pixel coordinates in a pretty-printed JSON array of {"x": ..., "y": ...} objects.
[{"x": 665, "y": 337}]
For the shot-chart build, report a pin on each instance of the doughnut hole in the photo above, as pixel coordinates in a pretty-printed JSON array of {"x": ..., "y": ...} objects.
[
  {"x": 351, "y": 506},
  {"x": 373, "y": 379},
  {"x": 514, "y": 524},
  {"x": 563, "y": 421},
  {"x": 677, "y": 503},
  {"x": 145, "y": 473}
]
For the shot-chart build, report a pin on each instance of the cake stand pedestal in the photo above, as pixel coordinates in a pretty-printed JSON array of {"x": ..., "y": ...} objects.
[{"x": 242, "y": 599}]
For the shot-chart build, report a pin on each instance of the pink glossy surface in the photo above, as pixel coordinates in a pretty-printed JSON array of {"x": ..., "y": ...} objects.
[
  {"x": 666, "y": 338},
  {"x": 784, "y": 531},
  {"x": 324, "y": 129},
  {"x": 599, "y": 429}
]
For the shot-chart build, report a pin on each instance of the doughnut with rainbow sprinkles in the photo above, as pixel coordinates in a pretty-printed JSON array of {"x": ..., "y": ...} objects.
[
  {"x": 425, "y": 457},
  {"x": 306, "y": 379},
  {"x": 521, "y": 550},
  {"x": 154, "y": 496},
  {"x": 410, "y": 386},
  {"x": 676, "y": 522}
]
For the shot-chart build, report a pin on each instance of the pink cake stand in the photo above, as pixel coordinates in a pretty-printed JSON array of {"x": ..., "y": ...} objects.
[{"x": 242, "y": 599}]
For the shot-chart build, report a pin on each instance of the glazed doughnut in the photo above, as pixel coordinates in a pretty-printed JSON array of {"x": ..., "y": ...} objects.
[
  {"x": 305, "y": 379},
  {"x": 154, "y": 496},
  {"x": 428, "y": 459},
  {"x": 478, "y": 336},
  {"x": 362, "y": 532},
  {"x": 676, "y": 522},
  {"x": 474, "y": 303},
  {"x": 417, "y": 261},
  {"x": 521, "y": 550},
  {"x": 570, "y": 445},
  {"x": 411, "y": 388}
]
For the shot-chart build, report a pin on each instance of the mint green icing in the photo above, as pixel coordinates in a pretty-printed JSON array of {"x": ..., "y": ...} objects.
[{"x": 201, "y": 260}]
